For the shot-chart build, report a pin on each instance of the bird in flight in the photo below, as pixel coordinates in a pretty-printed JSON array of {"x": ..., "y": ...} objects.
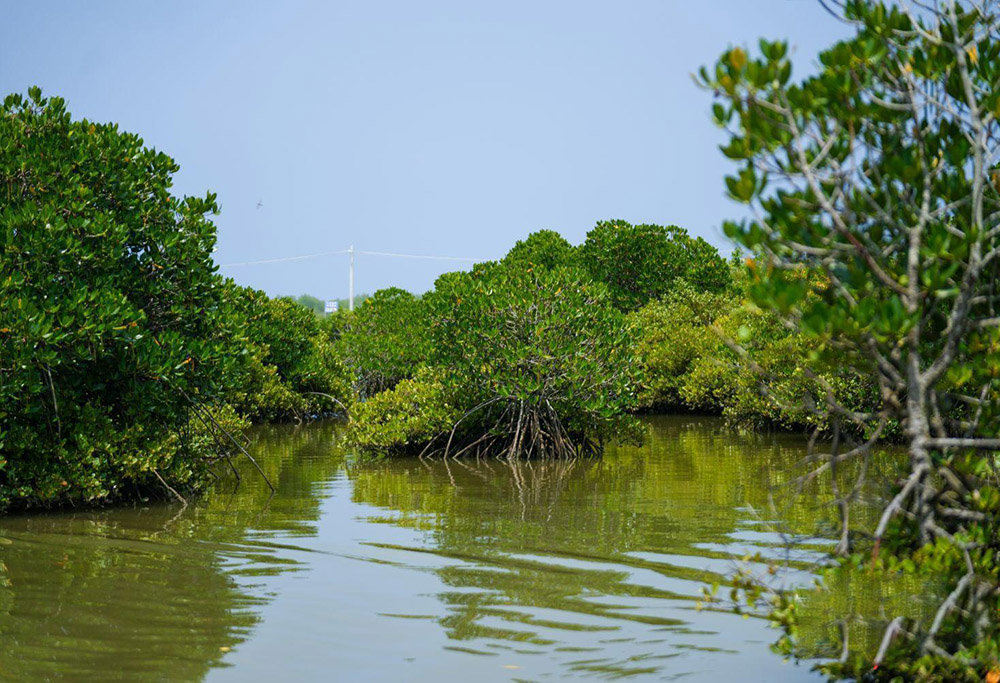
[{"x": 259, "y": 203}]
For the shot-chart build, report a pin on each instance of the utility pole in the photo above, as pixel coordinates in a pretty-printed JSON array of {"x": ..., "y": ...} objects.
[{"x": 350, "y": 289}]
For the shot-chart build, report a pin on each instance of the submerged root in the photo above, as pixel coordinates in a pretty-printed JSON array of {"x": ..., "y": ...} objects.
[{"x": 518, "y": 430}]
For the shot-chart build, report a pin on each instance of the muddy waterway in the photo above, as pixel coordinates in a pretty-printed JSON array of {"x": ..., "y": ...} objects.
[{"x": 410, "y": 570}]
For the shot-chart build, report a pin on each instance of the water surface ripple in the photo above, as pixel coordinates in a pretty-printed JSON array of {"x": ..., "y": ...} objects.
[{"x": 412, "y": 570}]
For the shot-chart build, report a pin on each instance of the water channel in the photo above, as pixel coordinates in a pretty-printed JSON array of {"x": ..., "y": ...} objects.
[{"x": 417, "y": 570}]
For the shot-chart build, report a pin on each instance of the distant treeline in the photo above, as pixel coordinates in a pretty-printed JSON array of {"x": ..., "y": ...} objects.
[
  {"x": 128, "y": 363},
  {"x": 318, "y": 306},
  {"x": 551, "y": 349}
]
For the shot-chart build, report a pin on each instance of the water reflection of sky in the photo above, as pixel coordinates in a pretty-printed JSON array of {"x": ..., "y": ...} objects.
[
  {"x": 421, "y": 571},
  {"x": 370, "y": 608},
  {"x": 410, "y": 570}
]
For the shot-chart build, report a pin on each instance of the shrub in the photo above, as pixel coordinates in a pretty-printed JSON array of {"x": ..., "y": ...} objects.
[
  {"x": 290, "y": 369},
  {"x": 543, "y": 249},
  {"x": 640, "y": 263},
  {"x": 334, "y": 324},
  {"x": 538, "y": 361},
  {"x": 386, "y": 340},
  {"x": 671, "y": 336},
  {"x": 262, "y": 395},
  {"x": 772, "y": 391},
  {"x": 682, "y": 344},
  {"x": 111, "y": 310},
  {"x": 403, "y": 418}
]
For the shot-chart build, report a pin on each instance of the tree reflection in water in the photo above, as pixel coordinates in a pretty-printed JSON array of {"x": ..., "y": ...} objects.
[
  {"x": 590, "y": 566},
  {"x": 594, "y": 544},
  {"x": 159, "y": 592}
]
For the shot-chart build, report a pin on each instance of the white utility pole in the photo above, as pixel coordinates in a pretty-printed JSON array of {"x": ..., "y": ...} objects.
[{"x": 350, "y": 289}]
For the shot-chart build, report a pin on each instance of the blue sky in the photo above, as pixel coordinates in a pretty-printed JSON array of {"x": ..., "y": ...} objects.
[{"x": 447, "y": 128}]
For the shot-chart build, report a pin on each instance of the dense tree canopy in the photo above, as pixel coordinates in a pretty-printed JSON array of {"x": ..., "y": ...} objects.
[
  {"x": 879, "y": 174},
  {"x": 386, "y": 340},
  {"x": 531, "y": 355},
  {"x": 110, "y": 308},
  {"x": 682, "y": 343},
  {"x": 543, "y": 249},
  {"x": 523, "y": 362},
  {"x": 289, "y": 368},
  {"x": 540, "y": 355},
  {"x": 640, "y": 263}
]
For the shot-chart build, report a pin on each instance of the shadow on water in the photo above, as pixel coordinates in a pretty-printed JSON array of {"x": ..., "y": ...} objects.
[
  {"x": 158, "y": 592},
  {"x": 616, "y": 549},
  {"x": 412, "y": 569}
]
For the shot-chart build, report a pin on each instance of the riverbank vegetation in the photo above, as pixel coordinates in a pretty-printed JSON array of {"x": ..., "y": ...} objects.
[
  {"x": 534, "y": 354},
  {"x": 128, "y": 366},
  {"x": 875, "y": 204},
  {"x": 111, "y": 324},
  {"x": 865, "y": 312}
]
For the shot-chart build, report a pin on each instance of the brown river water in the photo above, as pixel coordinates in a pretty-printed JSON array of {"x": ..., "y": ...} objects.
[{"x": 411, "y": 570}]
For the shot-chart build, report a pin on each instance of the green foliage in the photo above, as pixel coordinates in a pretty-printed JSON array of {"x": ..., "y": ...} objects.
[
  {"x": 333, "y": 325},
  {"x": 532, "y": 351},
  {"x": 523, "y": 361},
  {"x": 314, "y": 304},
  {"x": 878, "y": 173},
  {"x": 290, "y": 369},
  {"x": 538, "y": 359},
  {"x": 403, "y": 418},
  {"x": 115, "y": 324},
  {"x": 641, "y": 263},
  {"x": 686, "y": 345},
  {"x": 543, "y": 249},
  {"x": 674, "y": 334},
  {"x": 110, "y": 310},
  {"x": 386, "y": 340}
]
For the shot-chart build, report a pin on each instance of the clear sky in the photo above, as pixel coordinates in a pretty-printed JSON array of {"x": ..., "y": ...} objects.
[{"x": 447, "y": 128}]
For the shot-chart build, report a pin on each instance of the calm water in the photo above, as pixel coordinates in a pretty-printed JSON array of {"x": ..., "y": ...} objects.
[{"x": 409, "y": 570}]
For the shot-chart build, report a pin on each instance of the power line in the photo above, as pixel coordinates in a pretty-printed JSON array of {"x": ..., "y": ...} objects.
[
  {"x": 347, "y": 251},
  {"x": 281, "y": 260},
  {"x": 438, "y": 258}
]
